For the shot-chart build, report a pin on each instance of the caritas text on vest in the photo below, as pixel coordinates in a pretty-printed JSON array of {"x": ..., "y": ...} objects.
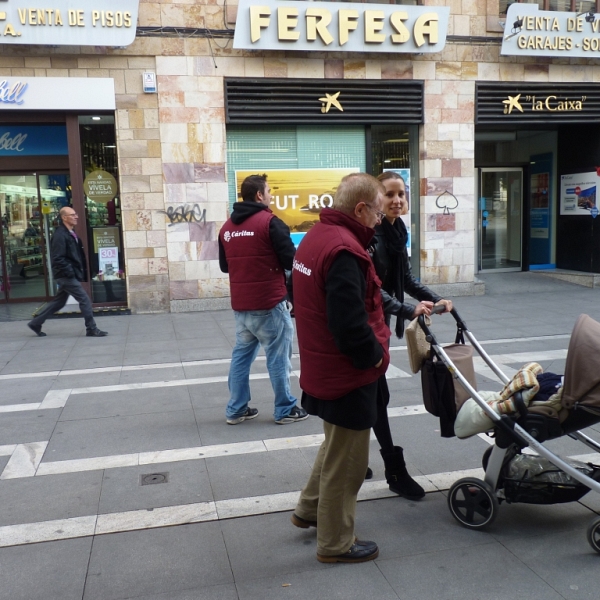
[
  {"x": 301, "y": 268},
  {"x": 228, "y": 235}
]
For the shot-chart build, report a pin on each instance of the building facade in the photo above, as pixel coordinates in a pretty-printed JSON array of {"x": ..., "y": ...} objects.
[{"x": 490, "y": 116}]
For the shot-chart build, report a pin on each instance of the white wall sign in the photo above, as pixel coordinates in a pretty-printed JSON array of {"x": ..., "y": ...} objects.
[
  {"x": 533, "y": 32},
  {"x": 68, "y": 22},
  {"x": 340, "y": 26},
  {"x": 56, "y": 93}
]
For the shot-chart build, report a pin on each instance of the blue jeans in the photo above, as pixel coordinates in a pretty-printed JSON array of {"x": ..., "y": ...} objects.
[{"x": 273, "y": 329}]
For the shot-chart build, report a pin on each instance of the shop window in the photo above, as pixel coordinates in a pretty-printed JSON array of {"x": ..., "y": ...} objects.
[
  {"x": 395, "y": 148},
  {"x": 103, "y": 208},
  {"x": 302, "y": 147}
]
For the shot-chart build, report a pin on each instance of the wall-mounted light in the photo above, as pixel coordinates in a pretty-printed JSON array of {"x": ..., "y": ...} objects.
[
  {"x": 516, "y": 29},
  {"x": 96, "y": 118}
]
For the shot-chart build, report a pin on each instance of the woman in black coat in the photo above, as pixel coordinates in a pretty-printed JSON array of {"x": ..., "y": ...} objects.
[{"x": 392, "y": 264}]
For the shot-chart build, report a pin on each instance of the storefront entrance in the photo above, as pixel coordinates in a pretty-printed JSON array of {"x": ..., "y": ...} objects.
[
  {"x": 29, "y": 205},
  {"x": 500, "y": 219}
]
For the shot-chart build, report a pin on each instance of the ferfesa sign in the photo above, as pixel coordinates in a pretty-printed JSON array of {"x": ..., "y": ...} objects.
[
  {"x": 533, "y": 32},
  {"x": 68, "y": 22},
  {"x": 340, "y": 26}
]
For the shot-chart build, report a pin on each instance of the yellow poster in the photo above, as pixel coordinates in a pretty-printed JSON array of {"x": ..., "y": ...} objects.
[{"x": 298, "y": 195}]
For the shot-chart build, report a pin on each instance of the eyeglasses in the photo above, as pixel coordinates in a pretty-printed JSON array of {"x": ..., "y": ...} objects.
[{"x": 380, "y": 215}]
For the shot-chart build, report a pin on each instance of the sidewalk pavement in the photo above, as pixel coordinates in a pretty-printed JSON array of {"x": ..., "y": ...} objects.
[{"x": 120, "y": 479}]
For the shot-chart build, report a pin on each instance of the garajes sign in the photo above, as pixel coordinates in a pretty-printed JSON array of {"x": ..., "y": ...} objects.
[
  {"x": 68, "y": 22},
  {"x": 533, "y": 32}
]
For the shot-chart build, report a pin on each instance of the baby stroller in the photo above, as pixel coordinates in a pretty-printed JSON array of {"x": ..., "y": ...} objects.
[{"x": 510, "y": 475}]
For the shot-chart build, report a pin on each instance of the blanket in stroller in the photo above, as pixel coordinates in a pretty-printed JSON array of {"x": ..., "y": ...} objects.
[{"x": 471, "y": 418}]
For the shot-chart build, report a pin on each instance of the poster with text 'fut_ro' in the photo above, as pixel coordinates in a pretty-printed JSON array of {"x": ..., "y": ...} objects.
[{"x": 298, "y": 195}]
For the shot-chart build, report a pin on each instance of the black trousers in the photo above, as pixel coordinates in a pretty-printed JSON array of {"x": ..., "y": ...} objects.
[
  {"x": 381, "y": 429},
  {"x": 66, "y": 288}
]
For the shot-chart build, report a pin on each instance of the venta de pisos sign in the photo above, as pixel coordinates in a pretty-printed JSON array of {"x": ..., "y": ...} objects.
[
  {"x": 68, "y": 22},
  {"x": 533, "y": 32},
  {"x": 340, "y": 26}
]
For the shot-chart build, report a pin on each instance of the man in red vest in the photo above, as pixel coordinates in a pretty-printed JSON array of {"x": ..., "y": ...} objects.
[
  {"x": 255, "y": 248},
  {"x": 342, "y": 338}
]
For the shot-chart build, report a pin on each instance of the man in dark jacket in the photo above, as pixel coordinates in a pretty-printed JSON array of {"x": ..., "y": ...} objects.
[
  {"x": 255, "y": 248},
  {"x": 343, "y": 341},
  {"x": 69, "y": 269}
]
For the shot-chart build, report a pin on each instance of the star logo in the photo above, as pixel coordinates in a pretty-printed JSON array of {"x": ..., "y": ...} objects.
[
  {"x": 330, "y": 100},
  {"x": 512, "y": 102}
]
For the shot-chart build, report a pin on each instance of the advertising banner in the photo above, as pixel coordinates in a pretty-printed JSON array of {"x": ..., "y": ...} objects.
[
  {"x": 298, "y": 195},
  {"x": 106, "y": 237},
  {"x": 108, "y": 261},
  {"x": 33, "y": 140},
  {"x": 578, "y": 194}
]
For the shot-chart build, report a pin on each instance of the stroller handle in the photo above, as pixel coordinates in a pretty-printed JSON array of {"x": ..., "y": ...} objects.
[{"x": 440, "y": 309}]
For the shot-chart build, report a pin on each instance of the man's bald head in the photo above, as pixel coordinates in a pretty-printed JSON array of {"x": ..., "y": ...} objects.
[{"x": 68, "y": 217}]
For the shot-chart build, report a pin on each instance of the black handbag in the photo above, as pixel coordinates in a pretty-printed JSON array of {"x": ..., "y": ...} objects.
[{"x": 438, "y": 393}]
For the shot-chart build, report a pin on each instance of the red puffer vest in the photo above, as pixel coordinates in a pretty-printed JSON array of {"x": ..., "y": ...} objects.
[
  {"x": 325, "y": 372},
  {"x": 256, "y": 277}
]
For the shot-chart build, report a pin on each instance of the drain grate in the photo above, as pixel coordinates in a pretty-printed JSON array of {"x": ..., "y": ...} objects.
[{"x": 154, "y": 478}]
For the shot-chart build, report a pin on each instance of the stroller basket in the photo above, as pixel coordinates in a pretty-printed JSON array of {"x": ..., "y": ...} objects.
[
  {"x": 535, "y": 480},
  {"x": 510, "y": 475}
]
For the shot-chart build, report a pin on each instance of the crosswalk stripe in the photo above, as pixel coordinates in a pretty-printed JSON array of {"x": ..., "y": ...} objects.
[
  {"x": 169, "y": 516},
  {"x": 58, "y": 398},
  {"x": 223, "y": 361},
  {"x": 19, "y": 467}
]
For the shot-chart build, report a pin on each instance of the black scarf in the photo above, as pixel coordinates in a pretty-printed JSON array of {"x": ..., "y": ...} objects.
[
  {"x": 395, "y": 242},
  {"x": 394, "y": 236}
]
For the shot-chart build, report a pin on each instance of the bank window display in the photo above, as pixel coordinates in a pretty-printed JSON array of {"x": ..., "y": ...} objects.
[{"x": 103, "y": 209}]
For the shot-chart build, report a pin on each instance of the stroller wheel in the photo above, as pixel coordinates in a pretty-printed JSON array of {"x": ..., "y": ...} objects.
[
  {"x": 473, "y": 503},
  {"x": 593, "y": 534}
]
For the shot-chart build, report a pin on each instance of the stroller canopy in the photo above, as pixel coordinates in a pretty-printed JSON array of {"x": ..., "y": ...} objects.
[{"x": 582, "y": 370}]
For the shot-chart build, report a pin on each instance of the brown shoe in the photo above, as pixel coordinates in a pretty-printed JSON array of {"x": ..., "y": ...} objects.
[
  {"x": 360, "y": 551},
  {"x": 302, "y": 523}
]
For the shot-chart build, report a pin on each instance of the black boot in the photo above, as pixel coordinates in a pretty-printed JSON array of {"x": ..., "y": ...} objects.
[{"x": 397, "y": 476}]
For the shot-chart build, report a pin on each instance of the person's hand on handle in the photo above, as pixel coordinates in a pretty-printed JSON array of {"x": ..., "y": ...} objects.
[
  {"x": 446, "y": 303},
  {"x": 423, "y": 308}
]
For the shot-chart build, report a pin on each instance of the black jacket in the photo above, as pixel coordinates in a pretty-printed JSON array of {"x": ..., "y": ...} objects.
[
  {"x": 279, "y": 233},
  {"x": 67, "y": 256},
  {"x": 395, "y": 284}
]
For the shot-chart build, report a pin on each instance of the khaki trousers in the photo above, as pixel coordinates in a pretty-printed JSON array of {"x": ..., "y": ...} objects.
[{"x": 329, "y": 497}]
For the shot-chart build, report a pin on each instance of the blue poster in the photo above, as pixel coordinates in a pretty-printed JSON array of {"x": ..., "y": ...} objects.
[
  {"x": 33, "y": 140},
  {"x": 540, "y": 203}
]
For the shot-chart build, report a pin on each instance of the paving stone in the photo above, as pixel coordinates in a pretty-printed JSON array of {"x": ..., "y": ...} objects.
[
  {"x": 50, "y": 571},
  {"x": 169, "y": 559}
]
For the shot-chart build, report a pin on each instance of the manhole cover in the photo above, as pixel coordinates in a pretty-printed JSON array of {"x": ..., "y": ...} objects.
[{"x": 154, "y": 478}]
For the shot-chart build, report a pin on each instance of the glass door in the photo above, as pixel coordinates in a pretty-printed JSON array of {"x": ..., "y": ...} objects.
[
  {"x": 500, "y": 219},
  {"x": 29, "y": 206}
]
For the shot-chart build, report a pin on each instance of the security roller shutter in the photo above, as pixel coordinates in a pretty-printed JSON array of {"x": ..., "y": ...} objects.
[{"x": 298, "y": 101}]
